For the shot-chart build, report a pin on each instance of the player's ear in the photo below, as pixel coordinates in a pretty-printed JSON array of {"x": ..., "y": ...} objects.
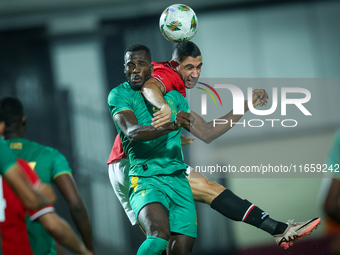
[
  {"x": 152, "y": 66},
  {"x": 174, "y": 64}
]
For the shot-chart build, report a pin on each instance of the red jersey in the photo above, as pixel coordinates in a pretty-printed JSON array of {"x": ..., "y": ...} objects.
[
  {"x": 171, "y": 81},
  {"x": 13, "y": 230},
  {"x": 168, "y": 77}
]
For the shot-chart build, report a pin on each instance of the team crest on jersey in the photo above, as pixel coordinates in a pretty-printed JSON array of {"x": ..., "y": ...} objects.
[{"x": 15, "y": 146}]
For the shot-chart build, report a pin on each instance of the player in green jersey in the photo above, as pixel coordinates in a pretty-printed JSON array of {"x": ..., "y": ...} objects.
[
  {"x": 50, "y": 165},
  {"x": 32, "y": 198},
  {"x": 160, "y": 194}
]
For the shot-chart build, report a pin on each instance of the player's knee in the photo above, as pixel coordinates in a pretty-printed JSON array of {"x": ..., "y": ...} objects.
[{"x": 162, "y": 233}]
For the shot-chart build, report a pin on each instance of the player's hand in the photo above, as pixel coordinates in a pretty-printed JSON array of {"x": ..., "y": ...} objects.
[
  {"x": 186, "y": 140},
  {"x": 260, "y": 97},
  {"x": 183, "y": 119},
  {"x": 162, "y": 117},
  {"x": 46, "y": 191}
]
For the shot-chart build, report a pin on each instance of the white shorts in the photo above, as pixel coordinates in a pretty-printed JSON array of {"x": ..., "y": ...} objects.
[{"x": 119, "y": 178}]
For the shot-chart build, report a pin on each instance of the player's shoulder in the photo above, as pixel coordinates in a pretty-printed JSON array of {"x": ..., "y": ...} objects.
[
  {"x": 123, "y": 88},
  {"x": 42, "y": 148},
  {"x": 174, "y": 97},
  {"x": 175, "y": 94}
]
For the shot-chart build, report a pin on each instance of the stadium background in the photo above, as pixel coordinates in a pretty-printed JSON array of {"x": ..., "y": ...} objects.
[{"x": 61, "y": 58}]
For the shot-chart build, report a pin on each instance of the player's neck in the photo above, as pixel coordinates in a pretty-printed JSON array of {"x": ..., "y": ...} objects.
[{"x": 13, "y": 135}]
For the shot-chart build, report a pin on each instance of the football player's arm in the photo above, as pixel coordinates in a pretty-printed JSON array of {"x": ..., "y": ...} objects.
[
  {"x": 153, "y": 91},
  {"x": 68, "y": 188},
  {"x": 61, "y": 231},
  {"x": 32, "y": 197},
  {"x": 128, "y": 124},
  {"x": 209, "y": 131}
]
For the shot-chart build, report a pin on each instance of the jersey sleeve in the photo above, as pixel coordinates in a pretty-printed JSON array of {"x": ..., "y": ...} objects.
[
  {"x": 118, "y": 100},
  {"x": 7, "y": 158},
  {"x": 35, "y": 214},
  {"x": 168, "y": 77},
  {"x": 60, "y": 165}
]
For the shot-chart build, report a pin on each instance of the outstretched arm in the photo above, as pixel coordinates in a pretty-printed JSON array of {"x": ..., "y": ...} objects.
[
  {"x": 128, "y": 123},
  {"x": 79, "y": 214},
  {"x": 209, "y": 131},
  {"x": 153, "y": 91},
  {"x": 61, "y": 231}
]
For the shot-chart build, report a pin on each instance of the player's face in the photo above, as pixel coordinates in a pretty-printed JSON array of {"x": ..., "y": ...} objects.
[
  {"x": 138, "y": 68},
  {"x": 189, "y": 70}
]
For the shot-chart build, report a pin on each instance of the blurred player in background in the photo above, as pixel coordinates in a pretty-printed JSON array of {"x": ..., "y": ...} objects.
[
  {"x": 11, "y": 170},
  {"x": 19, "y": 187},
  {"x": 183, "y": 72},
  {"x": 50, "y": 165}
]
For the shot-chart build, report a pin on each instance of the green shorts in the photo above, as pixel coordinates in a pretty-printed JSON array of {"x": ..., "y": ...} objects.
[{"x": 173, "y": 192}]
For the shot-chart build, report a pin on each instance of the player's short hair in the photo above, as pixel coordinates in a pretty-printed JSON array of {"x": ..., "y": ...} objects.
[
  {"x": 184, "y": 50},
  {"x": 137, "y": 47},
  {"x": 11, "y": 110}
]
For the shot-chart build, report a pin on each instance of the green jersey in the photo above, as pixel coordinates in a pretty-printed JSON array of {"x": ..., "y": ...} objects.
[
  {"x": 49, "y": 163},
  {"x": 162, "y": 155},
  {"x": 7, "y": 158}
]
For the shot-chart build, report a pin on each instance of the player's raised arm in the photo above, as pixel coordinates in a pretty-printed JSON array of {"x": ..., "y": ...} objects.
[{"x": 209, "y": 131}]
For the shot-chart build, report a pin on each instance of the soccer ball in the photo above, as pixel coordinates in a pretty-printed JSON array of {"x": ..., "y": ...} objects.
[{"x": 178, "y": 23}]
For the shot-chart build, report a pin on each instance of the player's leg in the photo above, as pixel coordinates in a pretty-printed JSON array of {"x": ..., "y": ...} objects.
[
  {"x": 233, "y": 207},
  {"x": 119, "y": 178},
  {"x": 151, "y": 206},
  {"x": 203, "y": 190},
  {"x": 180, "y": 245},
  {"x": 153, "y": 218},
  {"x": 183, "y": 218}
]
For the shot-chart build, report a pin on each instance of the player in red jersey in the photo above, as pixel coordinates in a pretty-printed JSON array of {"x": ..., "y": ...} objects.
[{"x": 183, "y": 72}]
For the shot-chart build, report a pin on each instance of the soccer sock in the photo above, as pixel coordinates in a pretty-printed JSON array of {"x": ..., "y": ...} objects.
[
  {"x": 152, "y": 246},
  {"x": 235, "y": 208}
]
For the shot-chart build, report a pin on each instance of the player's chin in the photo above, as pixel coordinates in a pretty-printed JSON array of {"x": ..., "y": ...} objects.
[
  {"x": 137, "y": 85},
  {"x": 190, "y": 85}
]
